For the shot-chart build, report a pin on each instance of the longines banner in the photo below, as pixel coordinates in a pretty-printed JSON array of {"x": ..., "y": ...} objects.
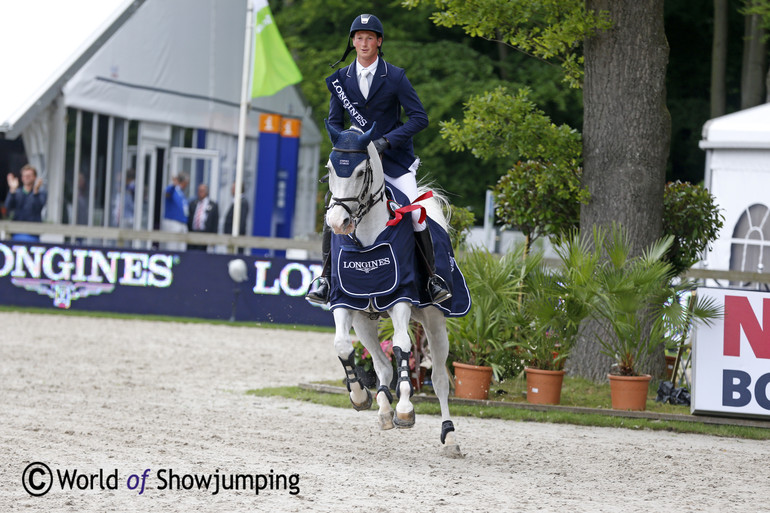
[
  {"x": 188, "y": 284},
  {"x": 731, "y": 359}
]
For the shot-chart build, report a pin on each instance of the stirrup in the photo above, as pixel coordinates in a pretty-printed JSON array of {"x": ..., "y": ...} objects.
[
  {"x": 437, "y": 289},
  {"x": 318, "y": 292}
]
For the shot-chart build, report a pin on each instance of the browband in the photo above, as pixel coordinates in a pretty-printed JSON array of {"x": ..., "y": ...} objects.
[{"x": 343, "y": 150}]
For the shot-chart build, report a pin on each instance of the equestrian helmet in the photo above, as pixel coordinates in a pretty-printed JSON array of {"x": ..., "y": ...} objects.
[{"x": 368, "y": 22}]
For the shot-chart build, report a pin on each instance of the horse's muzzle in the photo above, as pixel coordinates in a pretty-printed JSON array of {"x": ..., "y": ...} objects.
[{"x": 340, "y": 221}]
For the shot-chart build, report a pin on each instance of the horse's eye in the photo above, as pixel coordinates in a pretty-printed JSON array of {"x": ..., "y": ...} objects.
[{"x": 360, "y": 173}]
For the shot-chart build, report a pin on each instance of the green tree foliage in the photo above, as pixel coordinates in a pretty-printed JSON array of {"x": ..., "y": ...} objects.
[
  {"x": 444, "y": 65},
  {"x": 758, "y": 7},
  {"x": 447, "y": 67},
  {"x": 501, "y": 125},
  {"x": 540, "y": 199},
  {"x": 692, "y": 219},
  {"x": 550, "y": 30}
]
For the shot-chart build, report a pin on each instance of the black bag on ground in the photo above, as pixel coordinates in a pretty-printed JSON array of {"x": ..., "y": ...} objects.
[{"x": 668, "y": 393}]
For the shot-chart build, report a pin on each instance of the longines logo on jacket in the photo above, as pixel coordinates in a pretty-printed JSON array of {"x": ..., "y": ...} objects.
[{"x": 367, "y": 266}]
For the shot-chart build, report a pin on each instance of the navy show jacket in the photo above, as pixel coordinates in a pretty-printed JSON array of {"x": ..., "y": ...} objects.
[{"x": 389, "y": 93}]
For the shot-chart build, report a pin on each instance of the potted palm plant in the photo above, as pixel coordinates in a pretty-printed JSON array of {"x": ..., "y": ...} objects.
[
  {"x": 482, "y": 343},
  {"x": 559, "y": 300},
  {"x": 638, "y": 306}
]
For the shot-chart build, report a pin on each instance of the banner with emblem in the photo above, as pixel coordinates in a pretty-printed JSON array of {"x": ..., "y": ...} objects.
[{"x": 146, "y": 282}]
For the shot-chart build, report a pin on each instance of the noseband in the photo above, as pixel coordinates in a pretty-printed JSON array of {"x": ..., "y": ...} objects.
[{"x": 363, "y": 204}]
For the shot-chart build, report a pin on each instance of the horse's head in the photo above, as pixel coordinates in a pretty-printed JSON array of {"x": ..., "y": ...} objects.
[{"x": 355, "y": 178}]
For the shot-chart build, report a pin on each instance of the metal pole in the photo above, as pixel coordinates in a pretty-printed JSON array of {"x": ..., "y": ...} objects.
[{"x": 244, "y": 112}]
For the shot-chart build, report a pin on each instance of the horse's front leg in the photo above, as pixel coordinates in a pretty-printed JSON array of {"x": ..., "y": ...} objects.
[
  {"x": 366, "y": 329},
  {"x": 434, "y": 323},
  {"x": 402, "y": 350},
  {"x": 360, "y": 396}
]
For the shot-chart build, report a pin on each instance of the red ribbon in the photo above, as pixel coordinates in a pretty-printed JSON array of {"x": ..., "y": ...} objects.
[{"x": 399, "y": 212}]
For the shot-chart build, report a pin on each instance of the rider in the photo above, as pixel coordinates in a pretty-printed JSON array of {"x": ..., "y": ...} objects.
[{"x": 370, "y": 91}]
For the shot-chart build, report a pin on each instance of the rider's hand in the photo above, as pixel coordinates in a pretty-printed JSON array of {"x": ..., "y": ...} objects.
[
  {"x": 13, "y": 182},
  {"x": 381, "y": 145}
]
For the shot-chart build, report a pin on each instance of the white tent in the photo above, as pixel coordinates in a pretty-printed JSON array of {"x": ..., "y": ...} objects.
[
  {"x": 738, "y": 175},
  {"x": 150, "y": 76}
]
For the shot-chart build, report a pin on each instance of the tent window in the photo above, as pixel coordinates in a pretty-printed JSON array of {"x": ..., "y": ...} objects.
[
  {"x": 750, "y": 248},
  {"x": 72, "y": 159},
  {"x": 97, "y": 147}
]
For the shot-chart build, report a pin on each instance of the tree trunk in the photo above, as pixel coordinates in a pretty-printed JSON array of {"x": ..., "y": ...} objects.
[
  {"x": 719, "y": 60},
  {"x": 753, "y": 72},
  {"x": 626, "y": 135},
  {"x": 767, "y": 87},
  {"x": 502, "y": 55}
]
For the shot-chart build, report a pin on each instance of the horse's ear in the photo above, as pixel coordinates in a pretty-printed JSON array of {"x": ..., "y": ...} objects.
[
  {"x": 334, "y": 134},
  {"x": 366, "y": 137}
]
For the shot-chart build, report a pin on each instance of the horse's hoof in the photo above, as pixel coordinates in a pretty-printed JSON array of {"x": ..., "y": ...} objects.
[
  {"x": 452, "y": 451},
  {"x": 386, "y": 420},
  {"x": 366, "y": 404},
  {"x": 404, "y": 420}
]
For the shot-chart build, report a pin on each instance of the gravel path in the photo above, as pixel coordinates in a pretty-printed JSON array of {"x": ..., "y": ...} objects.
[{"x": 124, "y": 396}]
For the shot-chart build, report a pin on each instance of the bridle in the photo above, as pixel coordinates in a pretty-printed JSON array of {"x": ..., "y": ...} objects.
[{"x": 363, "y": 204}]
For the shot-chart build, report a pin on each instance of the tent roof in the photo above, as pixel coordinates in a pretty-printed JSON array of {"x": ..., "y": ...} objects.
[
  {"x": 179, "y": 62},
  {"x": 749, "y": 128},
  {"x": 45, "y": 42},
  {"x": 168, "y": 61}
]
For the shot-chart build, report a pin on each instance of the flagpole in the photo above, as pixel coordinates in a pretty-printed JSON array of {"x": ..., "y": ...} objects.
[{"x": 244, "y": 112}]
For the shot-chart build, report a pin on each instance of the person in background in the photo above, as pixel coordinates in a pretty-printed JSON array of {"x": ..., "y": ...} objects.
[
  {"x": 123, "y": 213},
  {"x": 26, "y": 201},
  {"x": 176, "y": 210},
  {"x": 204, "y": 216},
  {"x": 82, "y": 216},
  {"x": 228, "y": 228}
]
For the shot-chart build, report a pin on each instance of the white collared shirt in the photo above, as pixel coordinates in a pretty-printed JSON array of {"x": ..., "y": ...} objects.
[
  {"x": 204, "y": 206},
  {"x": 370, "y": 68}
]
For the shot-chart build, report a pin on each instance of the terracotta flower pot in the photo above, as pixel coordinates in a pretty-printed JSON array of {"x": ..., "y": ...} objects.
[
  {"x": 544, "y": 386},
  {"x": 472, "y": 381},
  {"x": 629, "y": 392}
]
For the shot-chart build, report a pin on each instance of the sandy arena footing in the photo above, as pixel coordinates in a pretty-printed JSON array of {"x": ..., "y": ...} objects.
[{"x": 125, "y": 396}]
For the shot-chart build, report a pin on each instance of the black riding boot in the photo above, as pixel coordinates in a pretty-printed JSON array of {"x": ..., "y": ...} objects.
[
  {"x": 437, "y": 287},
  {"x": 318, "y": 292}
]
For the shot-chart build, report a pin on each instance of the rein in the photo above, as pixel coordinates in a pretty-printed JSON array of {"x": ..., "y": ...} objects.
[{"x": 364, "y": 204}]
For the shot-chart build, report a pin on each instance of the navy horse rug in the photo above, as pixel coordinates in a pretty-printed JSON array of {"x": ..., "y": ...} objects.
[{"x": 389, "y": 271}]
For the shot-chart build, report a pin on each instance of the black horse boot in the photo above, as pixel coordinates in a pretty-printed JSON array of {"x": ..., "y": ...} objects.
[
  {"x": 352, "y": 378},
  {"x": 437, "y": 287},
  {"x": 318, "y": 292},
  {"x": 404, "y": 416}
]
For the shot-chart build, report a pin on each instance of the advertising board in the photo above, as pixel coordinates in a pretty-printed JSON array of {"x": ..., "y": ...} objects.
[{"x": 731, "y": 358}]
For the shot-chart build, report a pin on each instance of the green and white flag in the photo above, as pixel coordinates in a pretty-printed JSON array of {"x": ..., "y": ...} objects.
[{"x": 274, "y": 67}]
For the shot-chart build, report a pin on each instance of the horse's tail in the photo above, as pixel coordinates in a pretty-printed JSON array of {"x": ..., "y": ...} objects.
[{"x": 438, "y": 207}]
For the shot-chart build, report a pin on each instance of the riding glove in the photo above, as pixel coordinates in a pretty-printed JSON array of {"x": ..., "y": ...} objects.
[{"x": 381, "y": 145}]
